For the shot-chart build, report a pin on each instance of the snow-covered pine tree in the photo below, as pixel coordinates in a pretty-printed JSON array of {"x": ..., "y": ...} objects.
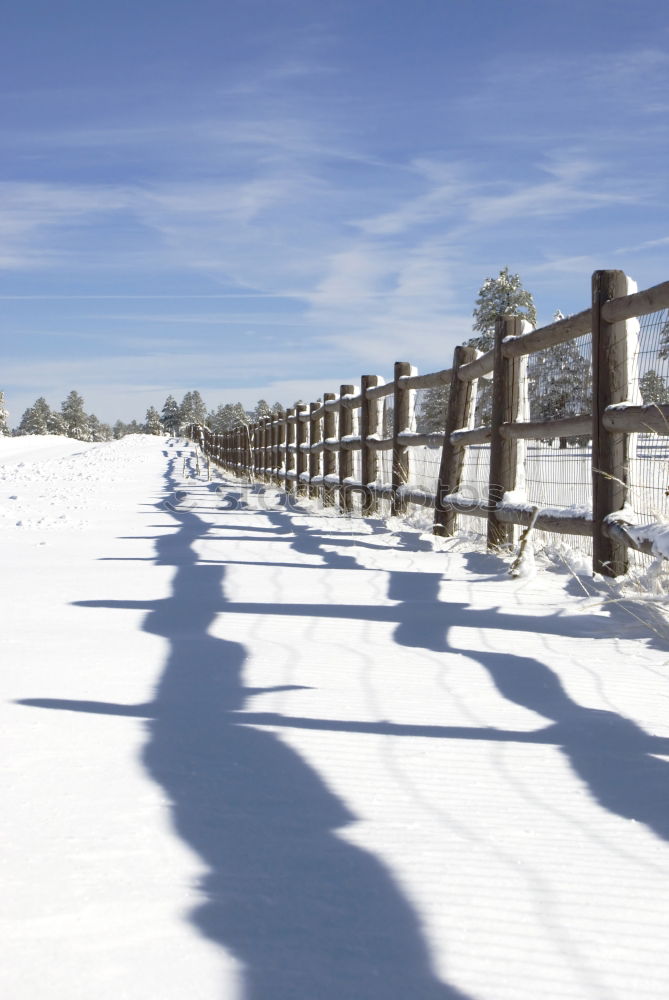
[
  {"x": 653, "y": 388},
  {"x": 56, "y": 424},
  {"x": 97, "y": 431},
  {"x": 503, "y": 295},
  {"x": 170, "y": 416},
  {"x": 4, "y": 416},
  {"x": 262, "y": 410},
  {"x": 431, "y": 416},
  {"x": 664, "y": 337},
  {"x": 75, "y": 418},
  {"x": 192, "y": 409},
  {"x": 560, "y": 383},
  {"x": 35, "y": 419},
  {"x": 500, "y": 296},
  {"x": 152, "y": 424},
  {"x": 226, "y": 417}
]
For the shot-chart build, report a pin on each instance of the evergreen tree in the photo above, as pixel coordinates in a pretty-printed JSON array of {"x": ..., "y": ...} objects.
[
  {"x": 75, "y": 418},
  {"x": 4, "y": 416},
  {"x": 226, "y": 417},
  {"x": 192, "y": 409},
  {"x": 500, "y": 296},
  {"x": 262, "y": 410},
  {"x": 56, "y": 424},
  {"x": 431, "y": 416},
  {"x": 170, "y": 416},
  {"x": 97, "y": 431},
  {"x": 35, "y": 419},
  {"x": 119, "y": 430},
  {"x": 664, "y": 337},
  {"x": 152, "y": 424},
  {"x": 653, "y": 388},
  {"x": 560, "y": 384},
  {"x": 279, "y": 409}
]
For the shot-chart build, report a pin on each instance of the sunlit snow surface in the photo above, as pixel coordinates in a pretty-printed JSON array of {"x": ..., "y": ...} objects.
[{"x": 256, "y": 753}]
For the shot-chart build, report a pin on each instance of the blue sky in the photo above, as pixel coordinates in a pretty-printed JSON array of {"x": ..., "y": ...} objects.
[{"x": 266, "y": 198}]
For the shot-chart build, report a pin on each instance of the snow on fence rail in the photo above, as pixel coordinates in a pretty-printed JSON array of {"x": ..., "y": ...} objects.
[{"x": 322, "y": 450}]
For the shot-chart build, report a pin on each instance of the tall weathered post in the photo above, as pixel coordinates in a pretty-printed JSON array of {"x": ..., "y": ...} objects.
[
  {"x": 459, "y": 413},
  {"x": 301, "y": 432},
  {"x": 610, "y": 458},
  {"x": 345, "y": 455},
  {"x": 506, "y": 405},
  {"x": 369, "y": 462},
  {"x": 402, "y": 421},
  {"x": 329, "y": 457}
]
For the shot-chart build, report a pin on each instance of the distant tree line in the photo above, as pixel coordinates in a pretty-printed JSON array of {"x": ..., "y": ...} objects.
[{"x": 71, "y": 420}]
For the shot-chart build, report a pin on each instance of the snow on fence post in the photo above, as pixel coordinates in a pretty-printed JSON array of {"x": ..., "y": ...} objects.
[
  {"x": 507, "y": 407},
  {"x": 248, "y": 454},
  {"x": 257, "y": 449},
  {"x": 260, "y": 449},
  {"x": 369, "y": 463},
  {"x": 329, "y": 457},
  {"x": 260, "y": 472},
  {"x": 253, "y": 449},
  {"x": 268, "y": 449},
  {"x": 271, "y": 448},
  {"x": 403, "y": 400},
  {"x": 459, "y": 414},
  {"x": 314, "y": 456},
  {"x": 280, "y": 448},
  {"x": 300, "y": 439},
  {"x": 345, "y": 456},
  {"x": 290, "y": 454},
  {"x": 610, "y": 457},
  {"x": 267, "y": 458},
  {"x": 216, "y": 448}
]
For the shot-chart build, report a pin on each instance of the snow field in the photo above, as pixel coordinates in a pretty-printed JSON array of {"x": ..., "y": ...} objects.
[
  {"x": 87, "y": 840},
  {"x": 377, "y": 766}
]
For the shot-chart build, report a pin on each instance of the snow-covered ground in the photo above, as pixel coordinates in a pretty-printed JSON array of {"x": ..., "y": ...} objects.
[{"x": 256, "y": 753}]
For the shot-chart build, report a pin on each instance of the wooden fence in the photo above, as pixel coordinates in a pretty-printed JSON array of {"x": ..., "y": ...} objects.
[{"x": 308, "y": 451}]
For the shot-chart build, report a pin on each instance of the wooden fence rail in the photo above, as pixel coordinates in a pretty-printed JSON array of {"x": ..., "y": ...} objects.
[{"x": 309, "y": 450}]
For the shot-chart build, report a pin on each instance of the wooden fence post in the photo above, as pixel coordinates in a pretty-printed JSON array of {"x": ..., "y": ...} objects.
[
  {"x": 314, "y": 456},
  {"x": 610, "y": 460},
  {"x": 253, "y": 448},
  {"x": 459, "y": 413},
  {"x": 300, "y": 439},
  {"x": 265, "y": 448},
  {"x": 329, "y": 457},
  {"x": 280, "y": 448},
  {"x": 345, "y": 456},
  {"x": 506, "y": 401},
  {"x": 402, "y": 421},
  {"x": 369, "y": 462},
  {"x": 248, "y": 451},
  {"x": 290, "y": 454}
]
